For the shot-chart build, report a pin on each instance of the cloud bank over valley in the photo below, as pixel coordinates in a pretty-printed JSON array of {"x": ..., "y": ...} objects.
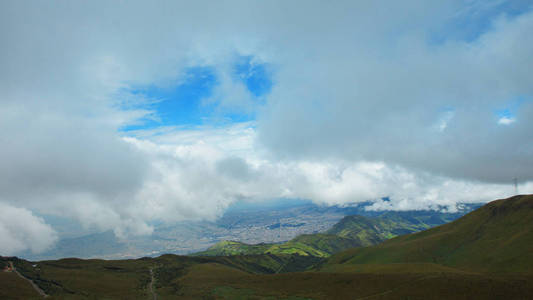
[{"x": 123, "y": 115}]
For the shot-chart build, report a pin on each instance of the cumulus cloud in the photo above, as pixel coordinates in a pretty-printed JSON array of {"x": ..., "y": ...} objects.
[
  {"x": 369, "y": 99},
  {"x": 368, "y": 105},
  {"x": 506, "y": 120},
  {"x": 20, "y": 230},
  {"x": 197, "y": 173}
]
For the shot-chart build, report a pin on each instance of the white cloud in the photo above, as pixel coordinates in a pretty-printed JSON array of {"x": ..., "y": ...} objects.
[
  {"x": 357, "y": 105},
  {"x": 358, "y": 91},
  {"x": 506, "y": 120},
  {"x": 20, "y": 230},
  {"x": 444, "y": 120},
  {"x": 198, "y": 173}
]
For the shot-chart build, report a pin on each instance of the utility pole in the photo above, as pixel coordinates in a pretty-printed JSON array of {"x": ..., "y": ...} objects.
[{"x": 515, "y": 181}]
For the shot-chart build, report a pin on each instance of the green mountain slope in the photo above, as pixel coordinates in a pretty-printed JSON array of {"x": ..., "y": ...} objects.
[
  {"x": 73, "y": 278},
  {"x": 487, "y": 254},
  {"x": 372, "y": 231},
  {"x": 225, "y": 248},
  {"x": 250, "y": 277},
  {"x": 349, "y": 232},
  {"x": 497, "y": 237},
  {"x": 320, "y": 245}
]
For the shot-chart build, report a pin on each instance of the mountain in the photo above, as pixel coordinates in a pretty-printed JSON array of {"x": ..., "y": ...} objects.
[
  {"x": 227, "y": 248},
  {"x": 271, "y": 222},
  {"x": 497, "y": 237},
  {"x": 486, "y": 254},
  {"x": 349, "y": 232},
  {"x": 91, "y": 245},
  {"x": 73, "y": 278}
]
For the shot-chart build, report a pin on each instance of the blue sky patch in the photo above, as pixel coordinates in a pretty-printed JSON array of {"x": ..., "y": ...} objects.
[
  {"x": 507, "y": 114},
  {"x": 183, "y": 104},
  {"x": 472, "y": 22},
  {"x": 255, "y": 76},
  {"x": 180, "y": 104}
]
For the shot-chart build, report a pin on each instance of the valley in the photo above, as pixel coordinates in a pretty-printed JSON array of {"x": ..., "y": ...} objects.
[
  {"x": 486, "y": 254},
  {"x": 250, "y": 224}
]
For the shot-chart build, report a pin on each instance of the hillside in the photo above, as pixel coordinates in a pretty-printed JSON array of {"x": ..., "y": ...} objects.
[
  {"x": 226, "y": 248},
  {"x": 249, "y": 277},
  {"x": 349, "y": 232},
  {"x": 73, "y": 278},
  {"x": 317, "y": 245},
  {"x": 497, "y": 237},
  {"x": 486, "y": 254}
]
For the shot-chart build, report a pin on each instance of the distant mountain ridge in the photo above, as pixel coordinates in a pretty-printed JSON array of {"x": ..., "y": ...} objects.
[
  {"x": 249, "y": 224},
  {"x": 497, "y": 237},
  {"x": 349, "y": 232},
  {"x": 486, "y": 254}
]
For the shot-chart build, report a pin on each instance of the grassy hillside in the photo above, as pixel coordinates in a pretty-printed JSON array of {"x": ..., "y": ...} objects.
[
  {"x": 372, "y": 231},
  {"x": 225, "y": 248},
  {"x": 78, "y": 279},
  {"x": 214, "y": 281},
  {"x": 252, "y": 277},
  {"x": 497, "y": 237},
  {"x": 73, "y": 278},
  {"x": 484, "y": 255},
  {"x": 179, "y": 277},
  {"x": 14, "y": 287},
  {"x": 319, "y": 245},
  {"x": 349, "y": 232}
]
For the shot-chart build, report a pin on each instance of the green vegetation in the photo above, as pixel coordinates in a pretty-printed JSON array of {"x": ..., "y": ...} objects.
[
  {"x": 234, "y": 248},
  {"x": 76, "y": 278},
  {"x": 487, "y": 254},
  {"x": 14, "y": 287},
  {"x": 207, "y": 280},
  {"x": 372, "y": 231},
  {"x": 350, "y": 232},
  {"x": 129, "y": 279},
  {"x": 319, "y": 245},
  {"x": 495, "y": 238}
]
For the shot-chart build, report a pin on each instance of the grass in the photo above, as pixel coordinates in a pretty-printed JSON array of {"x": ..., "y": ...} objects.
[
  {"x": 186, "y": 278},
  {"x": 228, "y": 292},
  {"x": 495, "y": 238},
  {"x": 78, "y": 279},
  {"x": 425, "y": 283},
  {"x": 349, "y": 232},
  {"x": 484, "y": 255},
  {"x": 225, "y": 248},
  {"x": 14, "y": 287}
]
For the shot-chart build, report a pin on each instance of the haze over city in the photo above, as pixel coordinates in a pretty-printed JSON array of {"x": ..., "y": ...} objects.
[{"x": 124, "y": 116}]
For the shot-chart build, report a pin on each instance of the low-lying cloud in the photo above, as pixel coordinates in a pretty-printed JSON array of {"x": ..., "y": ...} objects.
[
  {"x": 20, "y": 230},
  {"x": 369, "y": 99}
]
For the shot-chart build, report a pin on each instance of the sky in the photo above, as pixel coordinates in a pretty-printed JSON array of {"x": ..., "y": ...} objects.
[{"x": 123, "y": 114}]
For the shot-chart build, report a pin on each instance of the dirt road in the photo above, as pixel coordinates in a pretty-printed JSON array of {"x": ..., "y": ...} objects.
[
  {"x": 35, "y": 287},
  {"x": 151, "y": 285}
]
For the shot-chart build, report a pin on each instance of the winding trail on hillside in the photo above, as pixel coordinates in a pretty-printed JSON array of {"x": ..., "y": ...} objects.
[
  {"x": 35, "y": 287},
  {"x": 151, "y": 285}
]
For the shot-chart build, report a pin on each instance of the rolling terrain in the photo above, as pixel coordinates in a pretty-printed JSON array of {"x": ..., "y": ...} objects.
[
  {"x": 497, "y": 237},
  {"x": 484, "y": 255},
  {"x": 250, "y": 223},
  {"x": 349, "y": 232}
]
